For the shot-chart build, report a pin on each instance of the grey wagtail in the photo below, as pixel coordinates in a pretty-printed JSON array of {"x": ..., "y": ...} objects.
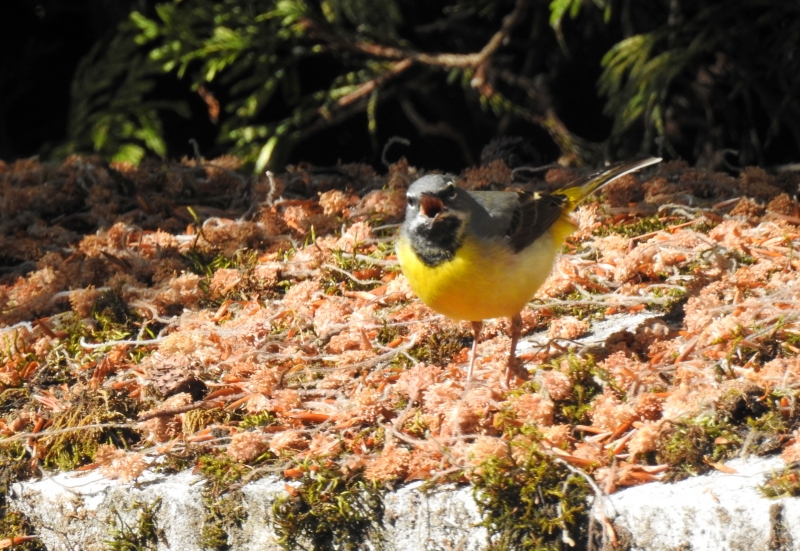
[{"x": 475, "y": 255}]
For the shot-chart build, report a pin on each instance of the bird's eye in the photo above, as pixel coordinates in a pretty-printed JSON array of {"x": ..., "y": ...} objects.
[
  {"x": 411, "y": 201},
  {"x": 452, "y": 191}
]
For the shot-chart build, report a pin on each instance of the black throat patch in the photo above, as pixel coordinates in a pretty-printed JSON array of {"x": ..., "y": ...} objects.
[{"x": 438, "y": 243}]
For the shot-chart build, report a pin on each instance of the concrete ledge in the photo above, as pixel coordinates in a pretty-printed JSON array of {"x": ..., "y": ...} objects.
[{"x": 718, "y": 511}]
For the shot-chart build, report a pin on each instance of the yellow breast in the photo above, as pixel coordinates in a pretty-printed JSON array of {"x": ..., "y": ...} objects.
[{"x": 485, "y": 279}]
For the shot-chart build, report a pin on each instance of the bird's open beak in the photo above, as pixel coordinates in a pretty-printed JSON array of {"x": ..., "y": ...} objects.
[{"x": 430, "y": 205}]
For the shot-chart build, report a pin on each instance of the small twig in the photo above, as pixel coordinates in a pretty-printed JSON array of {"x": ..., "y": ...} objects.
[
  {"x": 601, "y": 496},
  {"x": 92, "y": 346},
  {"x": 177, "y": 410},
  {"x": 351, "y": 276},
  {"x": 46, "y": 434},
  {"x": 371, "y": 85},
  {"x": 389, "y": 143}
]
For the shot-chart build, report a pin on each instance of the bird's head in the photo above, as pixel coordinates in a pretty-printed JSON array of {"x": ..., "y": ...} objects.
[
  {"x": 437, "y": 213},
  {"x": 434, "y": 201}
]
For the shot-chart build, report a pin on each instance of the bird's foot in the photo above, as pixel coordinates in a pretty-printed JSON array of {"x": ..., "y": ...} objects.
[{"x": 515, "y": 371}]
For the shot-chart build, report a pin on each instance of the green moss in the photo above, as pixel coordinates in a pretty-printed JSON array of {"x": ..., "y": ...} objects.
[
  {"x": 198, "y": 419},
  {"x": 12, "y": 399},
  {"x": 15, "y": 465},
  {"x": 531, "y": 504},
  {"x": 15, "y": 525},
  {"x": 440, "y": 347},
  {"x": 205, "y": 263},
  {"x": 144, "y": 536},
  {"x": 330, "y": 509},
  {"x": 741, "y": 257},
  {"x": 114, "y": 318},
  {"x": 785, "y": 483},
  {"x": 674, "y": 296},
  {"x": 176, "y": 462},
  {"x": 742, "y": 402},
  {"x": 221, "y": 514},
  {"x": 362, "y": 272},
  {"x": 387, "y": 334},
  {"x": 221, "y": 471},
  {"x": 57, "y": 367},
  {"x": 587, "y": 382},
  {"x": 417, "y": 425},
  {"x": 580, "y": 311},
  {"x": 638, "y": 226},
  {"x": 263, "y": 419},
  {"x": 689, "y": 446},
  {"x": 72, "y": 449}
]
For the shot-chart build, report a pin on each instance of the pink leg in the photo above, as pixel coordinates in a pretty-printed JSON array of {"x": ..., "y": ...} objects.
[
  {"x": 511, "y": 366},
  {"x": 477, "y": 329}
]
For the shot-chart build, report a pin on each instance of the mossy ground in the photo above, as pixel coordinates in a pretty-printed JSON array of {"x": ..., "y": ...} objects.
[
  {"x": 532, "y": 502},
  {"x": 328, "y": 509},
  {"x": 288, "y": 320}
]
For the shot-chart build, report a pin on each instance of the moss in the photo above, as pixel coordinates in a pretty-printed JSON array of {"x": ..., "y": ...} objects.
[
  {"x": 638, "y": 226},
  {"x": 587, "y": 382},
  {"x": 263, "y": 419},
  {"x": 198, "y": 419},
  {"x": 674, "y": 296},
  {"x": 13, "y": 399},
  {"x": 785, "y": 483},
  {"x": 440, "y": 347},
  {"x": 205, "y": 263},
  {"x": 57, "y": 369},
  {"x": 221, "y": 514},
  {"x": 176, "y": 462},
  {"x": 387, "y": 334},
  {"x": 330, "y": 509},
  {"x": 689, "y": 446},
  {"x": 580, "y": 311},
  {"x": 72, "y": 449},
  {"x": 144, "y": 536},
  {"x": 417, "y": 425},
  {"x": 15, "y": 465},
  {"x": 221, "y": 471},
  {"x": 115, "y": 318},
  {"x": 15, "y": 527},
  {"x": 742, "y": 401},
  {"x": 363, "y": 273},
  {"x": 531, "y": 504}
]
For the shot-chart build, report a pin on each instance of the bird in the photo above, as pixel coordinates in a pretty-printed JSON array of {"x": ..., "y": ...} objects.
[{"x": 477, "y": 255}]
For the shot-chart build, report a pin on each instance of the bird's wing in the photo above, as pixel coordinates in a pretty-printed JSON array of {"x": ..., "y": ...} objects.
[
  {"x": 533, "y": 217},
  {"x": 521, "y": 217}
]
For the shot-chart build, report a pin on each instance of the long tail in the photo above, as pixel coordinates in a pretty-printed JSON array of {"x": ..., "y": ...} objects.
[{"x": 581, "y": 188}]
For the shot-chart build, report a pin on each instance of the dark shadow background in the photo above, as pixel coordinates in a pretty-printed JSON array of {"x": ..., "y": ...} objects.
[{"x": 42, "y": 42}]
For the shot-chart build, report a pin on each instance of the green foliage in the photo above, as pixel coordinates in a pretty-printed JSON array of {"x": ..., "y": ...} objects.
[
  {"x": 440, "y": 347},
  {"x": 330, "y": 509},
  {"x": 785, "y": 483},
  {"x": 688, "y": 446},
  {"x": 114, "y": 316},
  {"x": 221, "y": 471},
  {"x": 112, "y": 111},
  {"x": 144, "y": 536},
  {"x": 15, "y": 465},
  {"x": 693, "y": 78},
  {"x": 222, "y": 514},
  {"x": 256, "y": 420},
  {"x": 250, "y": 59},
  {"x": 587, "y": 382},
  {"x": 532, "y": 503},
  {"x": 726, "y": 67},
  {"x": 69, "y": 450}
]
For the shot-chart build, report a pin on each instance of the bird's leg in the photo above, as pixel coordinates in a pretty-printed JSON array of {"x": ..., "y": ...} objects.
[
  {"x": 477, "y": 329},
  {"x": 515, "y": 330}
]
